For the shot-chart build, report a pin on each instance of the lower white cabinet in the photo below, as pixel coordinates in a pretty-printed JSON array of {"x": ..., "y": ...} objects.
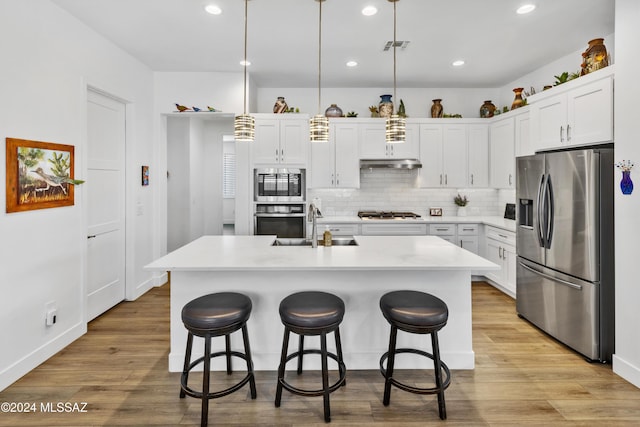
[
  {"x": 500, "y": 248},
  {"x": 444, "y": 231},
  {"x": 340, "y": 229},
  {"x": 467, "y": 237},
  {"x": 394, "y": 229}
]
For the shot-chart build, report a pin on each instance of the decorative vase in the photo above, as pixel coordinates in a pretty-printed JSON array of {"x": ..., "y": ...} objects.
[
  {"x": 487, "y": 109},
  {"x": 333, "y": 111},
  {"x": 385, "y": 108},
  {"x": 626, "y": 185},
  {"x": 280, "y": 105},
  {"x": 517, "y": 101},
  {"x": 462, "y": 211},
  {"x": 596, "y": 56},
  {"x": 436, "y": 108}
]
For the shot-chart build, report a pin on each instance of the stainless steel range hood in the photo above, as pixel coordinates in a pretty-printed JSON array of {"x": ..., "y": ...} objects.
[{"x": 390, "y": 163}]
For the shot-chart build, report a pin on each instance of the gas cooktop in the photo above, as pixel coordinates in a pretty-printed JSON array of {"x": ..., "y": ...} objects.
[{"x": 387, "y": 215}]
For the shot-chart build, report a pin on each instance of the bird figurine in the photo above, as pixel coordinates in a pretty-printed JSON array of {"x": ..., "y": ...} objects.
[
  {"x": 211, "y": 109},
  {"x": 196, "y": 109},
  {"x": 182, "y": 108},
  {"x": 55, "y": 181}
]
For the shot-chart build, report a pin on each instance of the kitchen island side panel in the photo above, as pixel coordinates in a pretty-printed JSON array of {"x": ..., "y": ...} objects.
[{"x": 364, "y": 330}]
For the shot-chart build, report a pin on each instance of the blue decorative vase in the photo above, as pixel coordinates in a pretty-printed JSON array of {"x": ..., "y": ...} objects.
[
  {"x": 385, "y": 108},
  {"x": 626, "y": 185}
]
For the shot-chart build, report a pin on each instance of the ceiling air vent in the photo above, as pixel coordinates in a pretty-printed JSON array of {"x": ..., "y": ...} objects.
[{"x": 402, "y": 44}]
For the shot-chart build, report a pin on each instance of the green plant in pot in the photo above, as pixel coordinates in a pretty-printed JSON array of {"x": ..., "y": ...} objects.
[{"x": 461, "y": 201}]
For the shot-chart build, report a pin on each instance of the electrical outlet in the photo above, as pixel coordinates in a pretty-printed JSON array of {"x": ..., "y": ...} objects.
[{"x": 51, "y": 313}]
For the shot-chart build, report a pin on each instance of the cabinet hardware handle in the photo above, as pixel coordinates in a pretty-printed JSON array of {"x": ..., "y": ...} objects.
[
  {"x": 282, "y": 154},
  {"x": 460, "y": 242},
  {"x": 93, "y": 236},
  {"x": 442, "y": 229},
  {"x": 568, "y": 132},
  {"x": 510, "y": 178},
  {"x": 445, "y": 179},
  {"x": 471, "y": 179},
  {"x": 502, "y": 235},
  {"x": 500, "y": 252},
  {"x": 561, "y": 133},
  {"x": 440, "y": 179},
  {"x": 467, "y": 229}
]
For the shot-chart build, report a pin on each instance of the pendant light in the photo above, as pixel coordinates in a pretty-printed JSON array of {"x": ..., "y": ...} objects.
[
  {"x": 319, "y": 124},
  {"x": 395, "y": 124},
  {"x": 244, "y": 124}
]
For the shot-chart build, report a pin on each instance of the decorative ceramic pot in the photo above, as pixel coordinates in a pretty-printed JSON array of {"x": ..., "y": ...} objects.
[
  {"x": 385, "y": 108},
  {"x": 437, "y": 109},
  {"x": 596, "y": 56},
  {"x": 626, "y": 185},
  {"x": 518, "y": 101},
  {"x": 333, "y": 111},
  {"x": 487, "y": 109},
  {"x": 280, "y": 106},
  {"x": 462, "y": 211}
]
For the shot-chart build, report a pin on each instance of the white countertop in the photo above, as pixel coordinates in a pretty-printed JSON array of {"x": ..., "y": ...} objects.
[
  {"x": 253, "y": 253},
  {"x": 495, "y": 221}
]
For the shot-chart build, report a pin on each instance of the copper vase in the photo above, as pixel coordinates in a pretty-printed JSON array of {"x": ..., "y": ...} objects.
[
  {"x": 596, "y": 56},
  {"x": 517, "y": 101},
  {"x": 487, "y": 109},
  {"x": 437, "y": 109}
]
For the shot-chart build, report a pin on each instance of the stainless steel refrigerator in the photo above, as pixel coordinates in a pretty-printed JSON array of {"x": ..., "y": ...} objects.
[{"x": 565, "y": 246}]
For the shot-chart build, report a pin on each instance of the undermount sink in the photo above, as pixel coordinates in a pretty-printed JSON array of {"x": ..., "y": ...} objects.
[{"x": 336, "y": 241}]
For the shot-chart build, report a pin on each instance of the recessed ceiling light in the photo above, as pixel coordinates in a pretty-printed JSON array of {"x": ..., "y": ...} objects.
[
  {"x": 525, "y": 9},
  {"x": 458, "y": 63},
  {"x": 352, "y": 63},
  {"x": 213, "y": 9},
  {"x": 245, "y": 63},
  {"x": 369, "y": 11}
]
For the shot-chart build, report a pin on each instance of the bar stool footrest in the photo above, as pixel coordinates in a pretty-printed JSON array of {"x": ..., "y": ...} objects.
[
  {"x": 418, "y": 390},
  {"x": 342, "y": 369},
  {"x": 216, "y": 394}
]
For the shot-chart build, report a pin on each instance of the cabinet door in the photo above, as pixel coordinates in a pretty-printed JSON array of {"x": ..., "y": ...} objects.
[
  {"x": 347, "y": 163},
  {"x": 493, "y": 252},
  {"x": 323, "y": 164},
  {"x": 502, "y": 154},
  {"x": 408, "y": 149},
  {"x": 549, "y": 122},
  {"x": 454, "y": 156},
  {"x": 431, "y": 156},
  {"x": 523, "y": 146},
  {"x": 372, "y": 140},
  {"x": 469, "y": 243},
  {"x": 478, "y": 156},
  {"x": 509, "y": 267},
  {"x": 590, "y": 113},
  {"x": 294, "y": 140},
  {"x": 266, "y": 146}
]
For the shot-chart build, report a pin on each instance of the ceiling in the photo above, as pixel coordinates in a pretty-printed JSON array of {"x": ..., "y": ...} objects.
[{"x": 497, "y": 45}]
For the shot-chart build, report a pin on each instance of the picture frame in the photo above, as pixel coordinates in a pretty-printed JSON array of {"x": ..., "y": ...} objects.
[
  {"x": 39, "y": 175},
  {"x": 145, "y": 176},
  {"x": 435, "y": 211}
]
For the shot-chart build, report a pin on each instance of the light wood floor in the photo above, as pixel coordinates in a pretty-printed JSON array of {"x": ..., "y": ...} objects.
[{"x": 522, "y": 377}]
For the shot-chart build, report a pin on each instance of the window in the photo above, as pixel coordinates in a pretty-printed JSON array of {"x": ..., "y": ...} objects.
[{"x": 229, "y": 175}]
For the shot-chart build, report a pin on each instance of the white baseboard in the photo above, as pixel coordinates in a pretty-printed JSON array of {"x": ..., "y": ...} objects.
[
  {"x": 626, "y": 370},
  {"x": 29, "y": 362}
]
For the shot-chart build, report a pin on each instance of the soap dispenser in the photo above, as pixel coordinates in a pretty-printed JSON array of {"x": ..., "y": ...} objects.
[{"x": 327, "y": 237}]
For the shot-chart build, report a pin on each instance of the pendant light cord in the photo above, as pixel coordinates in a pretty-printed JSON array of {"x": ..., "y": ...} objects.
[
  {"x": 245, "y": 58},
  {"x": 319, "y": 55}
]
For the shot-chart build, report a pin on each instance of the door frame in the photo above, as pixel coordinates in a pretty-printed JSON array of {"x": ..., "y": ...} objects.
[{"x": 131, "y": 292}]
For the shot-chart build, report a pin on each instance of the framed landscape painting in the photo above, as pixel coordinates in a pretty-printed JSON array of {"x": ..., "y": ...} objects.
[{"x": 39, "y": 175}]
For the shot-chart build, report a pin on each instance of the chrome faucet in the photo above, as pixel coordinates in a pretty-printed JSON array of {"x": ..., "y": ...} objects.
[{"x": 313, "y": 214}]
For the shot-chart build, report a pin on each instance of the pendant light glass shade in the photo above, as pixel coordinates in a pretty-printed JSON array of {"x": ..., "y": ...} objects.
[
  {"x": 319, "y": 124},
  {"x": 396, "y": 125},
  {"x": 244, "y": 125},
  {"x": 319, "y": 128}
]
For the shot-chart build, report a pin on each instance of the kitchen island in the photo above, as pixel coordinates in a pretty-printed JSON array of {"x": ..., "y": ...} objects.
[{"x": 358, "y": 274}]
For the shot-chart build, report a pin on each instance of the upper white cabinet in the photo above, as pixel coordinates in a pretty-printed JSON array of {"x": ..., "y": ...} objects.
[
  {"x": 373, "y": 143},
  {"x": 443, "y": 154},
  {"x": 281, "y": 140},
  {"x": 523, "y": 144},
  {"x": 335, "y": 164},
  {"x": 478, "y": 162},
  {"x": 502, "y": 162},
  {"x": 576, "y": 113}
]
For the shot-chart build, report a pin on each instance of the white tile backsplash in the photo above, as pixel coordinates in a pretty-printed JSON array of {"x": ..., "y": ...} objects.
[{"x": 390, "y": 189}]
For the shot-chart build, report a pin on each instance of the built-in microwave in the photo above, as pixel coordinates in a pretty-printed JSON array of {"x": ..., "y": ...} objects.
[{"x": 279, "y": 185}]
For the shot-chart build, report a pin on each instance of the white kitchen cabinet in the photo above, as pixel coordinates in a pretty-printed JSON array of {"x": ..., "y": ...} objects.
[
  {"x": 500, "y": 248},
  {"x": 579, "y": 112},
  {"x": 502, "y": 161},
  {"x": 444, "y": 231},
  {"x": 281, "y": 140},
  {"x": 394, "y": 228},
  {"x": 478, "y": 152},
  {"x": 340, "y": 228},
  {"x": 373, "y": 143},
  {"x": 335, "y": 164},
  {"x": 523, "y": 146},
  {"x": 467, "y": 237},
  {"x": 443, "y": 154}
]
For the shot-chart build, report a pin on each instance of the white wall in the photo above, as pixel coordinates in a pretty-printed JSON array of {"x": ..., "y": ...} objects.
[
  {"x": 48, "y": 59},
  {"x": 626, "y": 361}
]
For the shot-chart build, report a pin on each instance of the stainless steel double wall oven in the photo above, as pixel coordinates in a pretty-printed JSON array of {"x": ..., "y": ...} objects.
[{"x": 280, "y": 202}]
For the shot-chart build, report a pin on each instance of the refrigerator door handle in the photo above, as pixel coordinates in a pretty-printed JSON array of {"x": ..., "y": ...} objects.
[
  {"x": 539, "y": 201},
  {"x": 550, "y": 212},
  {"x": 547, "y": 276}
]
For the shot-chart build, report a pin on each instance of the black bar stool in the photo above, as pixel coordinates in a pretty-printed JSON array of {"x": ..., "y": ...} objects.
[
  {"x": 312, "y": 313},
  {"x": 416, "y": 313},
  {"x": 209, "y": 316}
]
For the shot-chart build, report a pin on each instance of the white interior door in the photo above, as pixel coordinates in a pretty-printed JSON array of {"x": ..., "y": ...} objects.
[{"x": 106, "y": 203}]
